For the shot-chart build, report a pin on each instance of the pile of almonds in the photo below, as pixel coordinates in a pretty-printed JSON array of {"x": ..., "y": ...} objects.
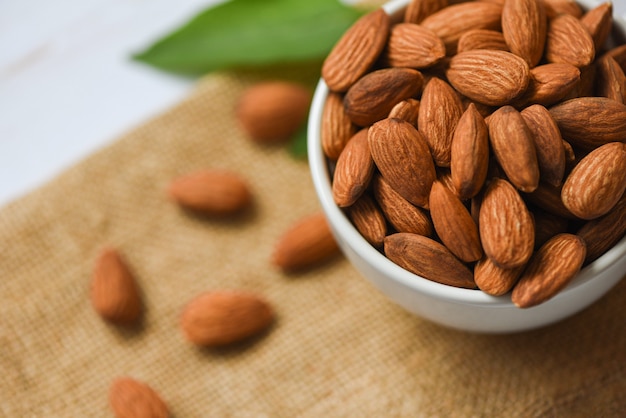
[{"x": 481, "y": 144}]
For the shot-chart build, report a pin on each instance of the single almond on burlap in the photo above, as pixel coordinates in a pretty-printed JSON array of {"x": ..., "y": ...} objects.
[
  {"x": 337, "y": 128},
  {"x": 413, "y": 46},
  {"x": 305, "y": 244},
  {"x": 588, "y": 122},
  {"x": 223, "y": 317},
  {"x": 514, "y": 148},
  {"x": 598, "y": 22},
  {"x": 597, "y": 182},
  {"x": 373, "y": 96},
  {"x": 550, "y": 269},
  {"x": 506, "y": 227},
  {"x": 356, "y": 51},
  {"x": 402, "y": 156},
  {"x": 611, "y": 81},
  {"x": 604, "y": 232},
  {"x": 368, "y": 220},
  {"x": 548, "y": 143},
  {"x": 439, "y": 112},
  {"x": 454, "y": 224},
  {"x": 407, "y": 110},
  {"x": 114, "y": 293},
  {"x": 482, "y": 39},
  {"x": 418, "y": 10},
  {"x": 469, "y": 154},
  {"x": 273, "y": 111},
  {"x": 427, "y": 258},
  {"x": 547, "y": 225},
  {"x": 353, "y": 171},
  {"x": 490, "y": 77},
  {"x": 451, "y": 22},
  {"x": 524, "y": 27},
  {"x": 569, "y": 42},
  {"x": 493, "y": 279},
  {"x": 557, "y": 7},
  {"x": 402, "y": 215},
  {"x": 130, "y": 398},
  {"x": 548, "y": 198},
  {"x": 214, "y": 192},
  {"x": 549, "y": 83}
]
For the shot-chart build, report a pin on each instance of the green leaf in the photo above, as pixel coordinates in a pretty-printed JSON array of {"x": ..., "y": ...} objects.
[
  {"x": 298, "y": 147},
  {"x": 251, "y": 33}
]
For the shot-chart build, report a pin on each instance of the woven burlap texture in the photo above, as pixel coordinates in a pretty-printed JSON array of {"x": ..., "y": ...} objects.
[{"x": 338, "y": 348}]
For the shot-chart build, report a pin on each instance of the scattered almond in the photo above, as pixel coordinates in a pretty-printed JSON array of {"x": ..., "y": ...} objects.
[{"x": 130, "y": 398}]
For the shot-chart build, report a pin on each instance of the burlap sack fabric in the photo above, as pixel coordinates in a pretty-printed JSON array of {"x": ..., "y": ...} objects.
[{"x": 338, "y": 348}]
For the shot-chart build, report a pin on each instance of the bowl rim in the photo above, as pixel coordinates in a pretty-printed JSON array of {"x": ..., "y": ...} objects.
[{"x": 341, "y": 225}]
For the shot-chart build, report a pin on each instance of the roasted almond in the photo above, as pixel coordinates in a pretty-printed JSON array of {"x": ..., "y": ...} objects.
[
  {"x": 337, "y": 128},
  {"x": 598, "y": 22},
  {"x": 524, "y": 27},
  {"x": 495, "y": 280},
  {"x": 368, "y": 220},
  {"x": 356, "y": 51},
  {"x": 223, "y": 317},
  {"x": 569, "y": 42},
  {"x": 130, "y": 398},
  {"x": 604, "y": 232},
  {"x": 482, "y": 39},
  {"x": 418, "y": 10},
  {"x": 373, "y": 96},
  {"x": 353, "y": 171},
  {"x": 611, "y": 81},
  {"x": 427, "y": 258},
  {"x": 549, "y": 83},
  {"x": 550, "y": 269},
  {"x": 413, "y": 46}
]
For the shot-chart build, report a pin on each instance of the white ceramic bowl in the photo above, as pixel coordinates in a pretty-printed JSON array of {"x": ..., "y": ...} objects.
[{"x": 465, "y": 309}]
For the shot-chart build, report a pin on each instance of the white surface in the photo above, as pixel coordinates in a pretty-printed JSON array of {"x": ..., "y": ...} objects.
[{"x": 67, "y": 85}]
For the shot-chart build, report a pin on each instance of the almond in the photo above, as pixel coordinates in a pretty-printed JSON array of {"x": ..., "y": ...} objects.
[
  {"x": 598, "y": 22},
  {"x": 273, "y": 111},
  {"x": 401, "y": 154},
  {"x": 597, "y": 182},
  {"x": 407, "y": 110},
  {"x": 373, "y": 96},
  {"x": 604, "y": 232},
  {"x": 337, "y": 128},
  {"x": 495, "y": 280},
  {"x": 401, "y": 214},
  {"x": 506, "y": 227},
  {"x": 306, "y": 243},
  {"x": 214, "y": 192},
  {"x": 482, "y": 39},
  {"x": 368, "y": 220},
  {"x": 114, "y": 292},
  {"x": 618, "y": 54},
  {"x": 413, "y": 46},
  {"x": 439, "y": 112},
  {"x": 427, "y": 258},
  {"x": 490, "y": 77},
  {"x": 551, "y": 268},
  {"x": 453, "y": 224},
  {"x": 524, "y": 27},
  {"x": 469, "y": 154},
  {"x": 569, "y": 42},
  {"x": 353, "y": 171},
  {"x": 549, "y": 83},
  {"x": 548, "y": 198},
  {"x": 611, "y": 80},
  {"x": 418, "y": 10},
  {"x": 557, "y": 7},
  {"x": 588, "y": 122},
  {"x": 548, "y": 143},
  {"x": 514, "y": 148},
  {"x": 356, "y": 51},
  {"x": 547, "y": 225},
  {"x": 223, "y": 317},
  {"x": 130, "y": 398}
]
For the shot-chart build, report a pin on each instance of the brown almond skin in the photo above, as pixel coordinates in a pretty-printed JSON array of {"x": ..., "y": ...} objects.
[
  {"x": 413, "y": 46},
  {"x": 454, "y": 224},
  {"x": 224, "y": 317},
  {"x": 337, "y": 128},
  {"x": 402, "y": 156},
  {"x": 618, "y": 53},
  {"x": 506, "y": 227},
  {"x": 598, "y": 22},
  {"x": 439, "y": 112},
  {"x": 550, "y": 269},
  {"x": 353, "y": 171},
  {"x": 568, "y": 41},
  {"x": 213, "y": 192},
  {"x": 418, "y": 10},
  {"x": 273, "y": 111},
  {"x": 549, "y": 83},
  {"x": 373, "y": 96},
  {"x": 115, "y": 294},
  {"x": 130, "y": 398},
  {"x": 547, "y": 225},
  {"x": 495, "y": 280},
  {"x": 368, "y": 220},
  {"x": 427, "y": 258},
  {"x": 356, "y": 51},
  {"x": 482, "y": 39},
  {"x": 490, "y": 77},
  {"x": 604, "y": 232},
  {"x": 469, "y": 154},
  {"x": 557, "y": 7},
  {"x": 611, "y": 81},
  {"x": 548, "y": 198},
  {"x": 407, "y": 110},
  {"x": 548, "y": 143},
  {"x": 514, "y": 148},
  {"x": 588, "y": 122},
  {"x": 306, "y": 243},
  {"x": 401, "y": 214},
  {"x": 597, "y": 182},
  {"x": 524, "y": 27}
]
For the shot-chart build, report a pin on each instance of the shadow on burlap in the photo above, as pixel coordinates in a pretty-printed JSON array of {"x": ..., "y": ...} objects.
[{"x": 338, "y": 348}]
